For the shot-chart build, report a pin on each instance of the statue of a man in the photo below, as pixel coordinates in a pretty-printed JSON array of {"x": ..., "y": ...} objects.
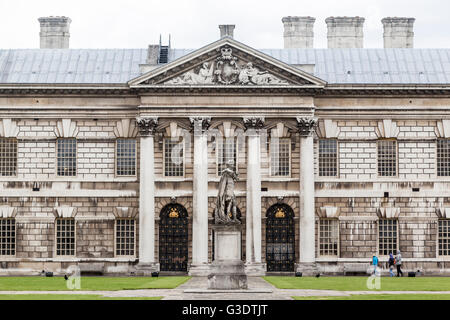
[{"x": 225, "y": 212}]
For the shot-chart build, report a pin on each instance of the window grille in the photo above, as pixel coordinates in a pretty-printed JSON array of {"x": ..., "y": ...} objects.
[
  {"x": 65, "y": 237},
  {"x": 67, "y": 157},
  {"x": 125, "y": 235},
  {"x": 387, "y": 158},
  {"x": 280, "y": 153},
  {"x": 8, "y": 157},
  {"x": 173, "y": 157},
  {"x": 328, "y": 237},
  {"x": 226, "y": 150},
  {"x": 444, "y": 237},
  {"x": 387, "y": 240},
  {"x": 328, "y": 158},
  {"x": 443, "y": 157},
  {"x": 126, "y": 157},
  {"x": 7, "y": 237}
]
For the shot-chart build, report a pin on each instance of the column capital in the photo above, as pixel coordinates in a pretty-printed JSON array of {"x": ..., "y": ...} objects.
[
  {"x": 306, "y": 125},
  {"x": 200, "y": 123},
  {"x": 253, "y": 122},
  {"x": 147, "y": 125}
]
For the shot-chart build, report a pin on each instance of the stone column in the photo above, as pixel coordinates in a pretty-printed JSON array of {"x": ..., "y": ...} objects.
[
  {"x": 200, "y": 266},
  {"x": 306, "y": 263},
  {"x": 254, "y": 265},
  {"x": 147, "y": 262}
]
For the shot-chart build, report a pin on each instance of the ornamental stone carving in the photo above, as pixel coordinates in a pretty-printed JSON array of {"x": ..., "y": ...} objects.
[
  {"x": 227, "y": 69},
  {"x": 306, "y": 126},
  {"x": 147, "y": 125},
  {"x": 253, "y": 122},
  {"x": 200, "y": 124}
]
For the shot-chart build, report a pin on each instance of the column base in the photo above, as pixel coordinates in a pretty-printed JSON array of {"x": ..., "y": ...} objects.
[
  {"x": 255, "y": 269},
  {"x": 307, "y": 269},
  {"x": 146, "y": 269},
  {"x": 199, "y": 270}
]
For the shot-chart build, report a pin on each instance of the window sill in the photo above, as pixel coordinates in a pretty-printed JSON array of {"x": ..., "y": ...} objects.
[
  {"x": 172, "y": 179},
  {"x": 280, "y": 179}
]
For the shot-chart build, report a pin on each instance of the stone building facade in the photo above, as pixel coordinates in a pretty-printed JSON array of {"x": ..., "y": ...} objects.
[{"x": 111, "y": 160}]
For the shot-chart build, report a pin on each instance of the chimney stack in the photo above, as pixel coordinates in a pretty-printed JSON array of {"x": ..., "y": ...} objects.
[
  {"x": 398, "y": 32},
  {"x": 54, "y": 32},
  {"x": 226, "y": 30},
  {"x": 345, "y": 32},
  {"x": 298, "y": 32}
]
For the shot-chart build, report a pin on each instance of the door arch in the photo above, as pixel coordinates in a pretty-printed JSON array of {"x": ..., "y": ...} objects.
[
  {"x": 173, "y": 238},
  {"x": 280, "y": 238}
]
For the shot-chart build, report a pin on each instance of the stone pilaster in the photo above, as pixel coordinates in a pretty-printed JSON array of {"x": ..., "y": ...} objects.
[
  {"x": 306, "y": 261},
  {"x": 147, "y": 129},
  {"x": 254, "y": 265},
  {"x": 200, "y": 266}
]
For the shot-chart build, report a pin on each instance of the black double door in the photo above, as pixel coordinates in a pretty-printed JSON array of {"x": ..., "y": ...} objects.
[
  {"x": 173, "y": 238},
  {"x": 280, "y": 239}
]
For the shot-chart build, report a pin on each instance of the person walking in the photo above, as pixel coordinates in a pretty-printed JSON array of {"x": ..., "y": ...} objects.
[
  {"x": 375, "y": 264},
  {"x": 398, "y": 263},
  {"x": 391, "y": 263}
]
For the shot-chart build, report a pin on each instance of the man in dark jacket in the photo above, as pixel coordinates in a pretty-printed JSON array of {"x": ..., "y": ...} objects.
[
  {"x": 398, "y": 263},
  {"x": 391, "y": 264}
]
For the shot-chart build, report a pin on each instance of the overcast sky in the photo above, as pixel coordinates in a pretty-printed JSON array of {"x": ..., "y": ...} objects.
[{"x": 194, "y": 23}]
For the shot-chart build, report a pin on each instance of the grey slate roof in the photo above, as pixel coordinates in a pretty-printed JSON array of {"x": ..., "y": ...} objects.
[
  {"x": 336, "y": 66},
  {"x": 102, "y": 66}
]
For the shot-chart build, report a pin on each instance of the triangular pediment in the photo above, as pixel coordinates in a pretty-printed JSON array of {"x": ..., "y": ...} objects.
[{"x": 227, "y": 63}]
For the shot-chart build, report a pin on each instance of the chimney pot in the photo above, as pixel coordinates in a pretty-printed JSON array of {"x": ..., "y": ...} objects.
[
  {"x": 345, "y": 32},
  {"x": 398, "y": 32},
  {"x": 298, "y": 32},
  {"x": 226, "y": 30},
  {"x": 54, "y": 32}
]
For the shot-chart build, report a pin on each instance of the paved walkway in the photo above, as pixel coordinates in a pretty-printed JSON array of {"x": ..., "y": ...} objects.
[{"x": 200, "y": 283}]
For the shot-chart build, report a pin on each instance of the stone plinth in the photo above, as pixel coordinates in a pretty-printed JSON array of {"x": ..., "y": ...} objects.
[
  {"x": 146, "y": 269},
  {"x": 227, "y": 269}
]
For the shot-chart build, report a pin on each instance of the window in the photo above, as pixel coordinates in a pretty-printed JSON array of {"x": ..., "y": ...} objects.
[
  {"x": 8, "y": 157},
  {"x": 328, "y": 158},
  {"x": 443, "y": 157},
  {"x": 126, "y": 157},
  {"x": 7, "y": 237},
  {"x": 67, "y": 157},
  {"x": 226, "y": 151},
  {"x": 328, "y": 237},
  {"x": 173, "y": 157},
  {"x": 125, "y": 237},
  {"x": 280, "y": 153},
  {"x": 444, "y": 237},
  {"x": 65, "y": 237},
  {"x": 387, "y": 236},
  {"x": 387, "y": 158}
]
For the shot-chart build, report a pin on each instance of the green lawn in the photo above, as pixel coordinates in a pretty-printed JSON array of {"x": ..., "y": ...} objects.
[
  {"x": 90, "y": 283},
  {"x": 69, "y": 297},
  {"x": 359, "y": 283},
  {"x": 382, "y": 297}
]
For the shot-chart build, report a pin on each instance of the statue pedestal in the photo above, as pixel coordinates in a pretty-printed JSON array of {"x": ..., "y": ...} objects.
[{"x": 227, "y": 269}]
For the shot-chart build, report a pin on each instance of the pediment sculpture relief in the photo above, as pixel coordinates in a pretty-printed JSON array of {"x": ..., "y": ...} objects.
[{"x": 227, "y": 70}]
